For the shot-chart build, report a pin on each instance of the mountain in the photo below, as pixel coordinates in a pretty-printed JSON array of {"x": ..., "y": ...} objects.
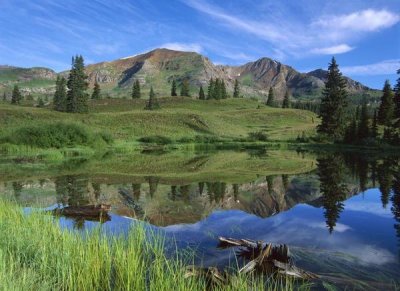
[{"x": 159, "y": 67}]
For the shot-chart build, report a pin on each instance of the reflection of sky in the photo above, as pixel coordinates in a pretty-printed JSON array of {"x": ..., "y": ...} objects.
[{"x": 364, "y": 231}]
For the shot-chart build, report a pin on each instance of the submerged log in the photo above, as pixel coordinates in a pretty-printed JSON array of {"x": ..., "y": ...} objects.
[{"x": 86, "y": 212}]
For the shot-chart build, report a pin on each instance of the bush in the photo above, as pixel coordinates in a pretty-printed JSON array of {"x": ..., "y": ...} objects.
[
  {"x": 157, "y": 139},
  {"x": 258, "y": 136},
  {"x": 57, "y": 135}
]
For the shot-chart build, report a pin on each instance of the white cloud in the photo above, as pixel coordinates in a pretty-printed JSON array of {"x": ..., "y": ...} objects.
[
  {"x": 177, "y": 46},
  {"x": 333, "y": 50},
  {"x": 386, "y": 67},
  {"x": 366, "y": 20}
]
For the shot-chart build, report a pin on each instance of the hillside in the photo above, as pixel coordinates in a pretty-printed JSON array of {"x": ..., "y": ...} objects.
[
  {"x": 179, "y": 118},
  {"x": 159, "y": 67}
]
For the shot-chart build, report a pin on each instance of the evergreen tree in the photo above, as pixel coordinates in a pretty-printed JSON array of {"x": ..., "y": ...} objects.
[
  {"x": 96, "y": 91},
  {"x": 16, "y": 96},
  {"x": 363, "y": 128},
  {"x": 286, "y": 101},
  {"x": 4, "y": 96},
  {"x": 224, "y": 93},
  {"x": 201, "y": 94},
  {"x": 173, "y": 88},
  {"x": 210, "y": 90},
  {"x": 77, "y": 97},
  {"x": 236, "y": 89},
  {"x": 270, "y": 100},
  {"x": 397, "y": 96},
  {"x": 60, "y": 96},
  {"x": 333, "y": 103},
  {"x": 217, "y": 89},
  {"x": 351, "y": 133},
  {"x": 386, "y": 108},
  {"x": 136, "y": 90},
  {"x": 40, "y": 102},
  {"x": 152, "y": 103},
  {"x": 185, "y": 88},
  {"x": 374, "y": 128}
]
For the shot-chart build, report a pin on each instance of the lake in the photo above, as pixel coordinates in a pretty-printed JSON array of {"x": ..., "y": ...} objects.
[{"x": 339, "y": 212}]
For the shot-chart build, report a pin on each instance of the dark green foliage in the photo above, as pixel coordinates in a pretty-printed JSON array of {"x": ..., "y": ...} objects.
[
  {"x": 4, "y": 96},
  {"x": 202, "y": 96},
  {"x": 286, "y": 100},
  {"x": 152, "y": 103},
  {"x": 236, "y": 89},
  {"x": 60, "y": 96},
  {"x": 363, "y": 127},
  {"x": 16, "y": 96},
  {"x": 374, "y": 127},
  {"x": 210, "y": 89},
  {"x": 173, "y": 88},
  {"x": 57, "y": 135},
  {"x": 351, "y": 136},
  {"x": 386, "y": 108},
  {"x": 157, "y": 139},
  {"x": 397, "y": 96},
  {"x": 258, "y": 136},
  {"x": 333, "y": 103},
  {"x": 136, "y": 90},
  {"x": 40, "y": 102},
  {"x": 312, "y": 106},
  {"x": 270, "y": 99},
  {"x": 96, "y": 91},
  {"x": 29, "y": 97},
  {"x": 185, "y": 90},
  {"x": 77, "y": 98}
]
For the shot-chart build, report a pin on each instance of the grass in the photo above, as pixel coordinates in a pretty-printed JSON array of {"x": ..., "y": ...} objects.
[{"x": 35, "y": 253}]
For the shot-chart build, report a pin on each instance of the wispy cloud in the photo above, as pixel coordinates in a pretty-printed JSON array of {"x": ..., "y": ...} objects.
[
  {"x": 178, "y": 46},
  {"x": 333, "y": 50},
  {"x": 386, "y": 67}
]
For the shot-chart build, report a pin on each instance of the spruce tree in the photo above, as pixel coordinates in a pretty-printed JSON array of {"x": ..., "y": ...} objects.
[
  {"x": 136, "y": 90},
  {"x": 397, "y": 96},
  {"x": 333, "y": 103},
  {"x": 363, "y": 128},
  {"x": 96, "y": 91},
  {"x": 217, "y": 89},
  {"x": 210, "y": 89},
  {"x": 173, "y": 88},
  {"x": 224, "y": 93},
  {"x": 286, "y": 101},
  {"x": 374, "y": 128},
  {"x": 201, "y": 94},
  {"x": 152, "y": 103},
  {"x": 16, "y": 96},
  {"x": 386, "y": 108},
  {"x": 236, "y": 89},
  {"x": 185, "y": 88},
  {"x": 60, "y": 96},
  {"x": 270, "y": 100},
  {"x": 77, "y": 97}
]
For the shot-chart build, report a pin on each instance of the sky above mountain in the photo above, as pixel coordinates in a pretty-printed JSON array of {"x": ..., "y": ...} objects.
[{"x": 364, "y": 35}]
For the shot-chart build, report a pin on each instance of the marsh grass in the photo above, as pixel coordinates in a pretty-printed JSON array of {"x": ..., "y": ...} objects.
[{"x": 36, "y": 254}]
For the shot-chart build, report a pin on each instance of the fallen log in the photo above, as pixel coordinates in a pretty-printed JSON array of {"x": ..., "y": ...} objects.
[{"x": 86, "y": 212}]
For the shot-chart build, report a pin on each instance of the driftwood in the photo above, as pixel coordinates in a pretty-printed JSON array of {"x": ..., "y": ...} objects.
[
  {"x": 212, "y": 276},
  {"x": 86, "y": 212},
  {"x": 266, "y": 259}
]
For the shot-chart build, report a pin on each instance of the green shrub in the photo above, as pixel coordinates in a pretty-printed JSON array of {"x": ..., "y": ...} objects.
[
  {"x": 258, "y": 136},
  {"x": 56, "y": 135},
  {"x": 157, "y": 139}
]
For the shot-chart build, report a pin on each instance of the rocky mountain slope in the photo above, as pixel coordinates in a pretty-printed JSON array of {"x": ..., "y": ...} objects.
[{"x": 159, "y": 67}]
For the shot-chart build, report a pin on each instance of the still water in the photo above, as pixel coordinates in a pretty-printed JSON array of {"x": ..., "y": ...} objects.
[{"x": 338, "y": 212}]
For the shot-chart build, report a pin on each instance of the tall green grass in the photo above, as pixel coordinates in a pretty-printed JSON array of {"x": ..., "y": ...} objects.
[{"x": 36, "y": 254}]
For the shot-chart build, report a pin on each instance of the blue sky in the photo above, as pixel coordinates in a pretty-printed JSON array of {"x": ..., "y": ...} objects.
[{"x": 364, "y": 35}]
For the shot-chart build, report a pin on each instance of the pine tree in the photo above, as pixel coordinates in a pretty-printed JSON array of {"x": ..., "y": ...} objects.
[
  {"x": 363, "y": 128},
  {"x": 60, "y": 96},
  {"x": 333, "y": 103},
  {"x": 397, "y": 96},
  {"x": 374, "y": 128},
  {"x": 96, "y": 91},
  {"x": 286, "y": 101},
  {"x": 4, "y": 96},
  {"x": 210, "y": 89},
  {"x": 152, "y": 103},
  {"x": 185, "y": 88},
  {"x": 217, "y": 89},
  {"x": 16, "y": 96},
  {"x": 224, "y": 93},
  {"x": 201, "y": 94},
  {"x": 173, "y": 88},
  {"x": 236, "y": 89},
  {"x": 351, "y": 133},
  {"x": 136, "y": 90},
  {"x": 77, "y": 98},
  {"x": 386, "y": 108},
  {"x": 270, "y": 100},
  {"x": 40, "y": 102}
]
